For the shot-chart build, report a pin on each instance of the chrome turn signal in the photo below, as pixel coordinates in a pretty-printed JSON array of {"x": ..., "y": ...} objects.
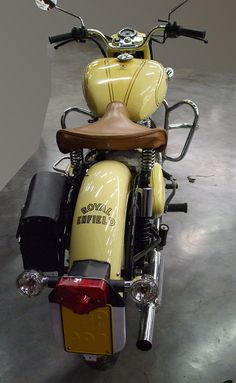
[
  {"x": 144, "y": 289},
  {"x": 31, "y": 283}
]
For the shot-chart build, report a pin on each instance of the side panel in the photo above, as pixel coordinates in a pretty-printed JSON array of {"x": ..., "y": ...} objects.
[
  {"x": 158, "y": 185},
  {"x": 99, "y": 219}
]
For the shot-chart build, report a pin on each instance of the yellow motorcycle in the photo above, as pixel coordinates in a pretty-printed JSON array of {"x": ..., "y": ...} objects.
[{"x": 93, "y": 232}]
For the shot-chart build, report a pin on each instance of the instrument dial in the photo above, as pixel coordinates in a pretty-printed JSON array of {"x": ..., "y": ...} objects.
[
  {"x": 127, "y": 38},
  {"x": 127, "y": 32}
]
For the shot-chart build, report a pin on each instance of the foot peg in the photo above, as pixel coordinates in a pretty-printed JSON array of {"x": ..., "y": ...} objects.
[
  {"x": 163, "y": 231},
  {"x": 178, "y": 207}
]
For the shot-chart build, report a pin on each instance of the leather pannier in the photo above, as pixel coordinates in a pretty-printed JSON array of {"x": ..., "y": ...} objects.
[{"x": 41, "y": 222}]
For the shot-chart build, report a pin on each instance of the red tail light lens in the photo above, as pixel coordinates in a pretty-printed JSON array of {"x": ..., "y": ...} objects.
[{"x": 81, "y": 295}]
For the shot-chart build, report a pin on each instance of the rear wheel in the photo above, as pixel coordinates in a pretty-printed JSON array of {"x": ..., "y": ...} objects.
[{"x": 103, "y": 362}]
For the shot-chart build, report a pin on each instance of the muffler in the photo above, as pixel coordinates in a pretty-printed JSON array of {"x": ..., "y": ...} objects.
[{"x": 148, "y": 311}]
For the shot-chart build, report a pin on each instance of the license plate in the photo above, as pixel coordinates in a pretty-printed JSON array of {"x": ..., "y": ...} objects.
[{"x": 88, "y": 333}]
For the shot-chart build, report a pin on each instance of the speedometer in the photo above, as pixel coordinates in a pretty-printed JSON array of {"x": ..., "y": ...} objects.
[{"x": 127, "y": 32}]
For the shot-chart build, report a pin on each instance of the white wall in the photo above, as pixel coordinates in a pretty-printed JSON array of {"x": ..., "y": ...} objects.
[
  {"x": 24, "y": 84},
  {"x": 24, "y": 68}
]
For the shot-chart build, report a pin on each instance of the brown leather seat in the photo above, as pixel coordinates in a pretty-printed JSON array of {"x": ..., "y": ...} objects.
[{"x": 114, "y": 131}]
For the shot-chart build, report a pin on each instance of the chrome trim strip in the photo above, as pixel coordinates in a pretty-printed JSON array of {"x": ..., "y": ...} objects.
[{"x": 119, "y": 328}]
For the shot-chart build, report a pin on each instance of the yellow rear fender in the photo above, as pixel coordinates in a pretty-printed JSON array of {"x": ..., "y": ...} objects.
[{"x": 100, "y": 215}]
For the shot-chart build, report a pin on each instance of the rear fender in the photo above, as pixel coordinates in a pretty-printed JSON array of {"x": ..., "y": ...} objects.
[{"x": 98, "y": 226}]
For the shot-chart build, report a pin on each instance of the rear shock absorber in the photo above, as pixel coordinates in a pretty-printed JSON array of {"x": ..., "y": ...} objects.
[
  {"x": 145, "y": 231},
  {"x": 144, "y": 222},
  {"x": 146, "y": 213}
]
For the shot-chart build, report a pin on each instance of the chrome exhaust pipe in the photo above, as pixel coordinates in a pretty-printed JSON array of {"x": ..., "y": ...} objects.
[
  {"x": 146, "y": 327},
  {"x": 148, "y": 312}
]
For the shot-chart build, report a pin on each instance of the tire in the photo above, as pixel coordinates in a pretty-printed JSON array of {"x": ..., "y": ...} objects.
[{"x": 103, "y": 362}]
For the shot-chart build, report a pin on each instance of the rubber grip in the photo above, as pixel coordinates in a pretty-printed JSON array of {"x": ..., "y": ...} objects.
[
  {"x": 193, "y": 33},
  {"x": 178, "y": 207},
  {"x": 60, "y": 38},
  {"x": 174, "y": 30}
]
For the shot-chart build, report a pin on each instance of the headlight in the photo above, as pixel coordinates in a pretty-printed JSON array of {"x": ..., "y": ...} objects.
[
  {"x": 144, "y": 289},
  {"x": 31, "y": 283}
]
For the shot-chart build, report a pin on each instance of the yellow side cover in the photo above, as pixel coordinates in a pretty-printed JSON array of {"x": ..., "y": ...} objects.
[{"x": 158, "y": 185}]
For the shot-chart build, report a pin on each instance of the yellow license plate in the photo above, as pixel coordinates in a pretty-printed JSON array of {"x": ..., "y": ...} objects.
[{"x": 88, "y": 333}]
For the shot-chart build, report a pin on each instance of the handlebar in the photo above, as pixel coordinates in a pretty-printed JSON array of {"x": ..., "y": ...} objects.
[{"x": 170, "y": 30}]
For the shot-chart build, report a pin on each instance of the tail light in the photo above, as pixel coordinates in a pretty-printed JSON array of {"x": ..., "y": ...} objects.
[{"x": 81, "y": 295}]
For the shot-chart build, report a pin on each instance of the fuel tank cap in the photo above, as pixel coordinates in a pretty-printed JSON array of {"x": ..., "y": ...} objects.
[{"x": 125, "y": 57}]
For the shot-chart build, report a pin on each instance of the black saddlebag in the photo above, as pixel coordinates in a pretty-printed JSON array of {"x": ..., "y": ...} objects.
[{"x": 41, "y": 223}]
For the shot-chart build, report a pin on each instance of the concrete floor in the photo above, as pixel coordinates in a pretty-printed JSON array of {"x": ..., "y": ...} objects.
[{"x": 195, "y": 339}]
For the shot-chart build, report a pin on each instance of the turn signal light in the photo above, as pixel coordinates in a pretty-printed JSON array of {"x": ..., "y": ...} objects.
[
  {"x": 144, "y": 289},
  {"x": 81, "y": 295},
  {"x": 31, "y": 283}
]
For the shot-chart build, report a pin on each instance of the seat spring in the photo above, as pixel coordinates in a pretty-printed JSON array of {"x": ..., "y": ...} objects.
[
  {"x": 147, "y": 122},
  {"x": 148, "y": 159},
  {"x": 76, "y": 158}
]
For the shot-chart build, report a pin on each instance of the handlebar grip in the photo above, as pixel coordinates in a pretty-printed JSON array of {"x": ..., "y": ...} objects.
[
  {"x": 60, "y": 38},
  {"x": 178, "y": 207},
  {"x": 174, "y": 30},
  {"x": 193, "y": 33}
]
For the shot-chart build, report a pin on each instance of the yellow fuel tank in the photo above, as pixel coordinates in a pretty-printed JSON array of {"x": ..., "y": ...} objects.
[{"x": 140, "y": 84}]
